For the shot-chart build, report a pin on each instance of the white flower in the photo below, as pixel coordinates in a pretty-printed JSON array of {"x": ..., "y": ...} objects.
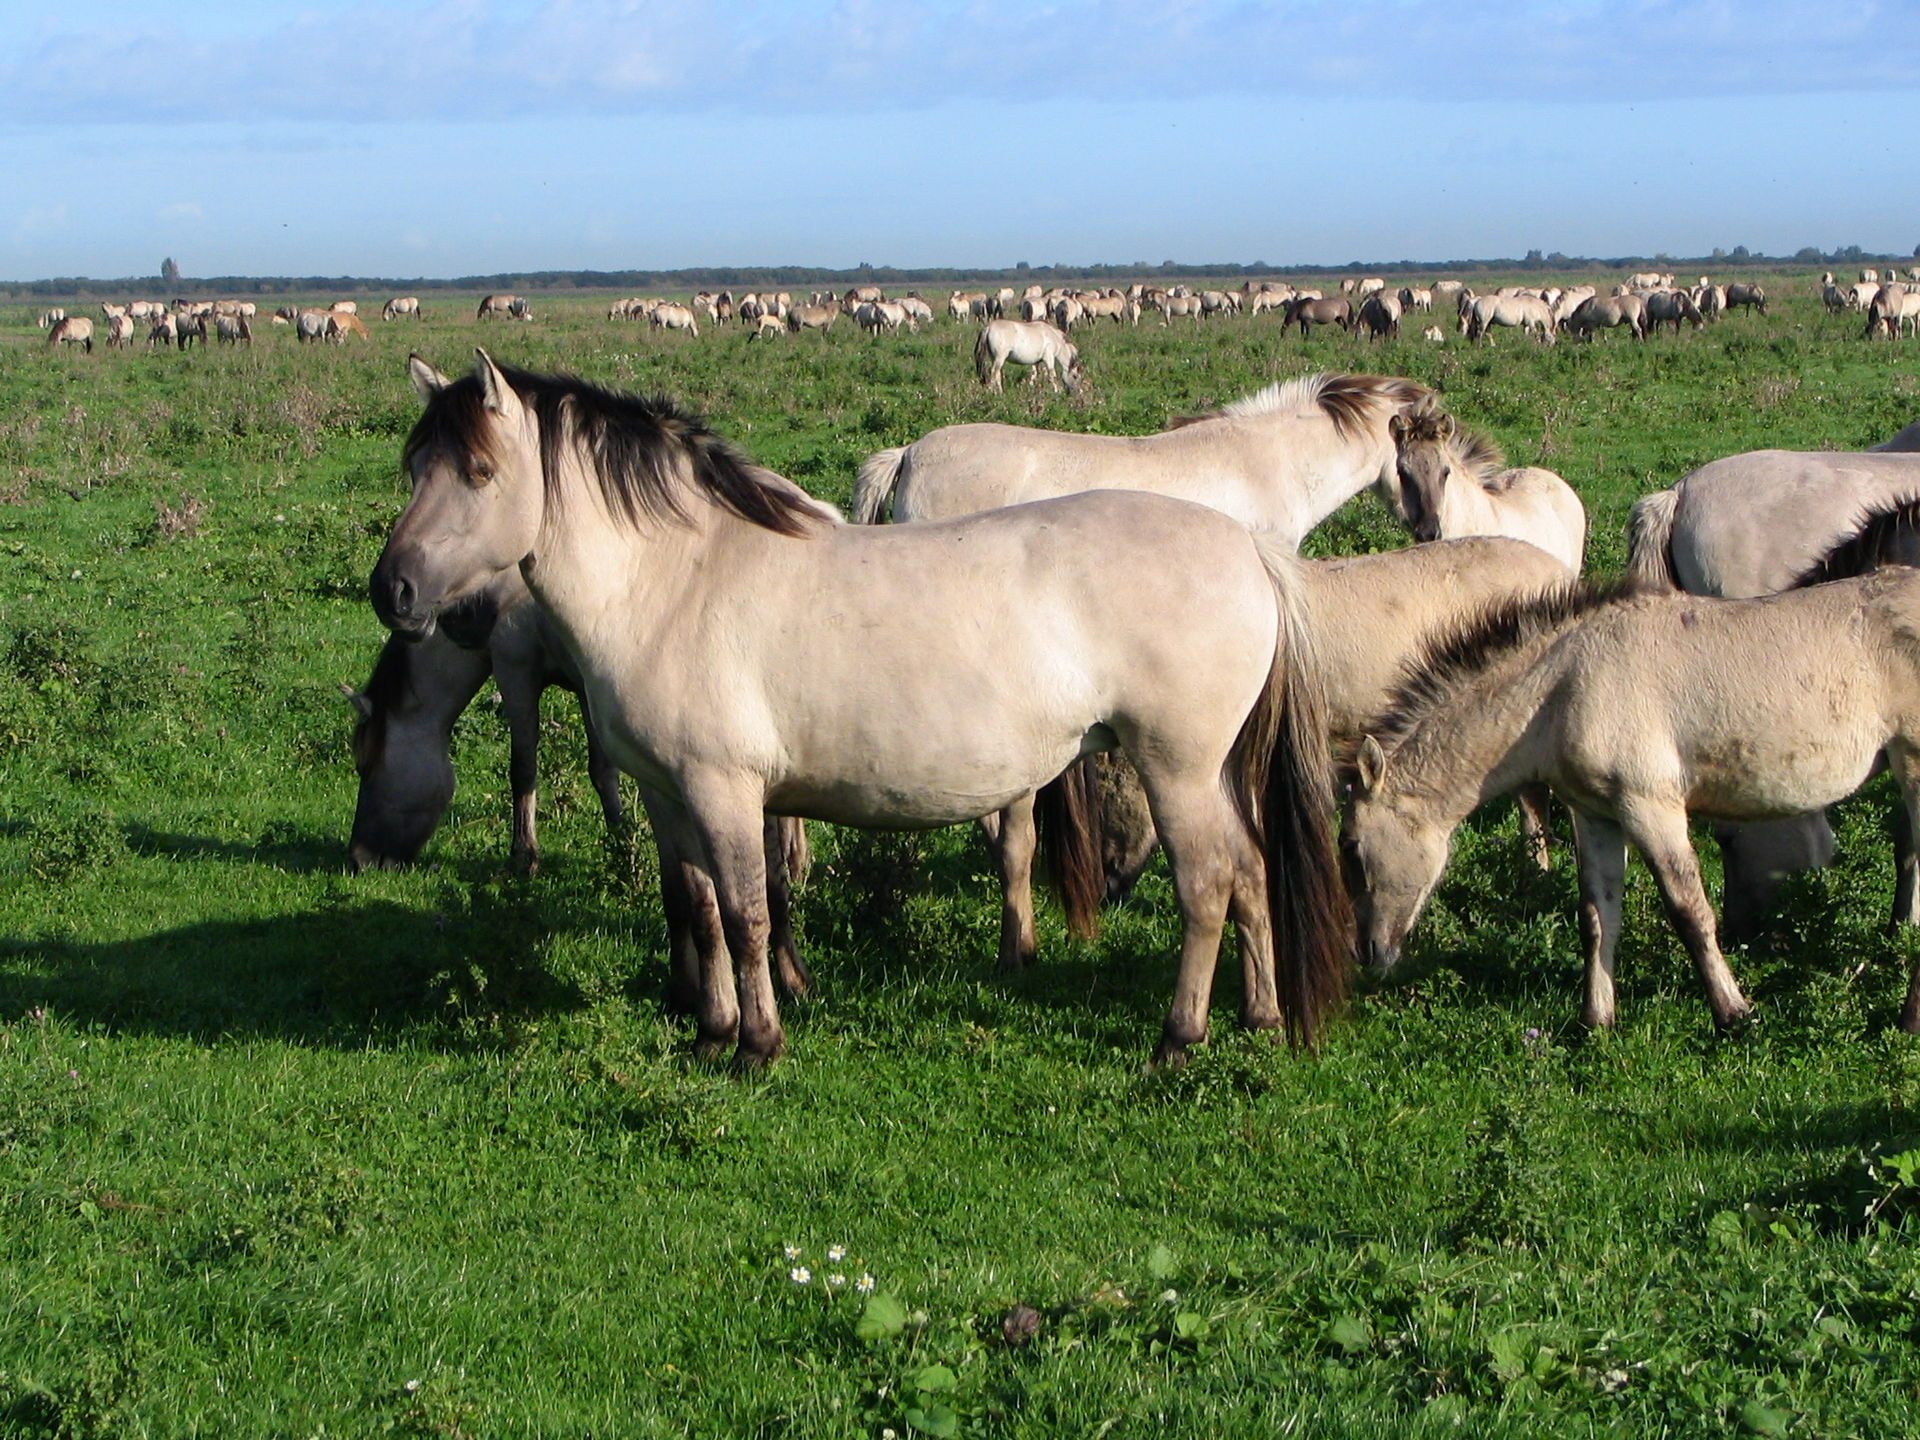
[
  {"x": 835, "y": 1281},
  {"x": 836, "y": 1253},
  {"x": 800, "y": 1275},
  {"x": 889, "y": 1433},
  {"x": 864, "y": 1284},
  {"x": 1169, "y": 1296},
  {"x": 792, "y": 1252}
]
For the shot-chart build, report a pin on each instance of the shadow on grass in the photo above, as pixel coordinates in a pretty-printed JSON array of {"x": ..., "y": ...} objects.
[{"x": 342, "y": 974}]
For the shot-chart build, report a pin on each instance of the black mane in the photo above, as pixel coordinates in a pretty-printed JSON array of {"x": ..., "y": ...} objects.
[
  {"x": 1465, "y": 649},
  {"x": 647, "y": 452},
  {"x": 1866, "y": 548}
]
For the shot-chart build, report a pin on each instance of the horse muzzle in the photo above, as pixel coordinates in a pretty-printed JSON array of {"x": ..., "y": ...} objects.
[
  {"x": 397, "y": 602},
  {"x": 1381, "y": 956},
  {"x": 1426, "y": 528}
]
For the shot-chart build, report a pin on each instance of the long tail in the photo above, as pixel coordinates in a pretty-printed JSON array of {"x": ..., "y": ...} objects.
[
  {"x": 1875, "y": 541},
  {"x": 1282, "y": 783},
  {"x": 982, "y": 356},
  {"x": 1649, "y": 540},
  {"x": 873, "y": 486},
  {"x": 1067, "y": 814}
]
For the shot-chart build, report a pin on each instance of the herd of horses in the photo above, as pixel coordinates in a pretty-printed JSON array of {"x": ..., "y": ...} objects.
[
  {"x": 1097, "y": 646},
  {"x": 230, "y": 322}
]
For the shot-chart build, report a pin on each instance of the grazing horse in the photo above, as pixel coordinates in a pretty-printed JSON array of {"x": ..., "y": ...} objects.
[
  {"x": 232, "y": 329},
  {"x": 1747, "y": 297},
  {"x": 669, "y": 316},
  {"x": 1640, "y": 710},
  {"x": 1024, "y": 342},
  {"x": 311, "y": 325},
  {"x": 402, "y": 750},
  {"x": 1526, "y": 313},
  {"x": 189, "y": 328},
  {"x": 812, "y": 317},
  {"x": 340, "y": 326},
  {"x": 757, "y": 630},
  {"x": 1607, "y": 312},
  {"x": 1371, "y": 614},
  {"x": 1380, "y": 316},
  {"x": 1671, "y": 307},
  {"x": 1279, "y": 460},
  {"x": 1304, "y": 312},
  {"x": 164, "y": 330},
  {"x": 1455, "y": 483},
  {"x": 495, "y": 305},
  {"x": 72, "y": 330},
  {"x": 120, "y": 332},
  {"x": 402, "y": 305}
]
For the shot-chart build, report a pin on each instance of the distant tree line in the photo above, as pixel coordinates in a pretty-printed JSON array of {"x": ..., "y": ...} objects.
[{"x": 795, "y": 277}]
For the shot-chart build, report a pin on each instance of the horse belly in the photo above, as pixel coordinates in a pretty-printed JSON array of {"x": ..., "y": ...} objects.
[{"x": 1788, "y": 772}]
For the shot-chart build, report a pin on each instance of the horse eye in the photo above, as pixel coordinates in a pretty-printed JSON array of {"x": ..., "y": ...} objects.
[{"x": 480, "y": 472}]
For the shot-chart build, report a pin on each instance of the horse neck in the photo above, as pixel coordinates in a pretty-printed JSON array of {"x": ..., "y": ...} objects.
[
  {"x": 1356, "y": 462},
  {"x": 1466, "y": 508},
  {"x": 441, "y": 680},
  {"x": 587, "y": 561},
  {"x": 1481, "y": 741}
]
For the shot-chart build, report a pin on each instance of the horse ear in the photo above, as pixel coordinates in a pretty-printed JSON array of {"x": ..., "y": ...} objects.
[
  {"x": 494, "y": 387},
  {"x": 1373, "y": 764},
  {"x": 362, "y": 706},
  {"x": 1448, "y": 426},
  {"x": 427, "y": 381},
  {"x": 1397, "y": 425}
]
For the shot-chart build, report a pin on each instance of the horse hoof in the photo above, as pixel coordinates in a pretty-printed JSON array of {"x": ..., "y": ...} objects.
[
  {"x": 1169, "y": 1055},
  {"x": 1264, "y": 1020},
  {"x": 752, "y": 1059},
  {"x": 1735, "y": 1022},
  {"x": 708, "y": 1049}
]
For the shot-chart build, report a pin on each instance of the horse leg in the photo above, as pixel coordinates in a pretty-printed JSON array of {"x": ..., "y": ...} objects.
[
  {"x": 1194, "y": 822},
  {"x": 1247, "y": 905},
  {"x": 1754, "y": 859},
  {"x": 1602, "y": 853},
  {"x": 1661, "y": 836},
  {"x": 1534, "y": 800},
  {"x": 520, "y": 698},
  {"x": 791, "y": 970},
  {"x": 1018, "y": 840},
  {"x": 700, "y": 982},
  {"x": 730, "y": 823},
  {"x": 603, "y": 774}
]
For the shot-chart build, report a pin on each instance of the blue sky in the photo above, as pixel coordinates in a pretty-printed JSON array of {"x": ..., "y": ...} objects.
[{"x": 473, "y": 136}]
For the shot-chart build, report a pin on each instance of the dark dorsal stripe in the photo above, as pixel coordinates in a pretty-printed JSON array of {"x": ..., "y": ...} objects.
[
  {"x": 1463, "y": 651},
  {"x": 1866, "y": 548},
  {"x": 646, "y": 452}
]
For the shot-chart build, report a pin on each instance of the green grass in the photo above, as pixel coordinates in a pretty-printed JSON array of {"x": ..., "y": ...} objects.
[{"x": 286, "y": 1153}]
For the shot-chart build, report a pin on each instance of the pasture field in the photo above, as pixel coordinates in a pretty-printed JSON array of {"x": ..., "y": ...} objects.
[{"x": 285, "y": 1152}]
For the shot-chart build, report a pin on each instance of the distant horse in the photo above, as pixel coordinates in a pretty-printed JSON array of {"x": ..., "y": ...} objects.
[
  {"x": 1609, "y": 312},
  {"x": 1641, "y": 710},
  {"x": 1526, "y": 313},
  {"x": 1671, "y": 307},
  {"x": 1747, "y": 297},
  {"x": 1005, "y": 645},
  {"x": 50, "y": 318},
  {"x": 402, "y": 305},
  {"x": 1380, "y": 316},
  {"x": 1304, "y": 312},
  {"x": 1279, "y": 460},
  {"x": 669, "y": 316},
  {"x": 311, "y": 325},
  {"x": 495, "y": 305},
  {"x": 1024, "y": 343},
  {"x": 120, "y": 332},
  {"x": 340, "y": 326},
  {"x": 232, "y": 329},
  {"x": 812, "y": 317},
  {"x": 72, "y": 330}
]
